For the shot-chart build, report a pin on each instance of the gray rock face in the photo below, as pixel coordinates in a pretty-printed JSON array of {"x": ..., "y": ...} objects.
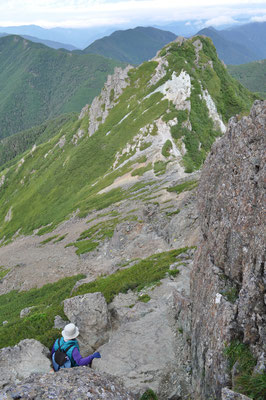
[
  {"x": 59, "y": 323},
  {"x": 76, "y": 384},
  {"x": 20, "y": 361},
  {"x": 148, "y": 346},
  {"x": 25, "y": 311},
  {"x": 228, "y": 278},
  {"x": 228, "y": 394},
  {"x": 90, "y": 314},
  {"x": 101, "y": 105}
]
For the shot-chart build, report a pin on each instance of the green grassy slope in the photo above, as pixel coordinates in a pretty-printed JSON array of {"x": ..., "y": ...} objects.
[
  {"x": 251, "y": 75},
  {"x": 54, "y": 181},
  {"x": 38, "y": 83},
  {"x": 133, "y": 45}
]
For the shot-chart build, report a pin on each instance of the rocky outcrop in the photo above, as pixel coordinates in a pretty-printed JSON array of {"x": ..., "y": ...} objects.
[
  {"x": 101, "y": 105},
  {"x": 228, "y": 394},
  {"x": 90, "y": 314},
  {"x": 20, "y": 361},
  {"x": 228, "y": 278},
  {"x": 75, "y": 384}
]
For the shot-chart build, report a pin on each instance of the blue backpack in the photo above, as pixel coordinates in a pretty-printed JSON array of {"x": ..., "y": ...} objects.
[{"x": 60, "y": 359}]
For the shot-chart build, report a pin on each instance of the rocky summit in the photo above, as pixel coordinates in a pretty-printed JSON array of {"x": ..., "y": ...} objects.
[{"x": 113, "y": 224}]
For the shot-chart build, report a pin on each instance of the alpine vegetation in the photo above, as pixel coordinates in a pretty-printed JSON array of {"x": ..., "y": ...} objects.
[{"x": 168, "y": 110}]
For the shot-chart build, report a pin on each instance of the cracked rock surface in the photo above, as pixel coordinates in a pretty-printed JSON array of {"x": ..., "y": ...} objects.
[
  {"x": 76, "y": 384},
  {"x": 228, "y": 278}
]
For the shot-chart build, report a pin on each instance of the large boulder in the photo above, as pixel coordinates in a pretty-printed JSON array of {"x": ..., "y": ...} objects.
[
  {"x": 229, "y": 269},
  {"x": 90, "y": 313},
  {"x": 20, "y": 361},
  {"x": 78, "y": 383}
]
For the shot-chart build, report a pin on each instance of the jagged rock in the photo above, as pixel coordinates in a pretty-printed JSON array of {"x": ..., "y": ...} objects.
[
  {"x": 145, "y": 348},
  {"x": 227, "y": 282},
  {"x": 18, "y": 362},
  {"x": 76, "y": 384},
  {"x": 228, "y": 394},
  {"x": 101, "y": 105},
  {"x": 25, "y": 311},
  {"x": 90, "y": 313},
  {"x": 59, "y": 323}
]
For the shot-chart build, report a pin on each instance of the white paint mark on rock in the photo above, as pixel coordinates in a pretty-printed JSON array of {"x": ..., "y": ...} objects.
[{"x": 218, "y": 298}]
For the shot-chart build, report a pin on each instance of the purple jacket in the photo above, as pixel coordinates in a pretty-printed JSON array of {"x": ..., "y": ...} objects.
[{"x": 78, "y": 358}]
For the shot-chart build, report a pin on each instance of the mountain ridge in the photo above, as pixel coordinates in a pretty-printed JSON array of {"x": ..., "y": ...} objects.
[
  {"x": 132, "y": 45},
  {"x": 48, "y": 43},
  {"x": 240, "y": 44},
  {"x": 184, "y": 129}
]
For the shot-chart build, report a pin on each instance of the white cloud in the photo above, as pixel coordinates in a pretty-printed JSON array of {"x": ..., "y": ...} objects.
[
  {"x": 221, "y": 20},
  {"x": 258, "y": 19},
  {"x": 110, "y": 12}
]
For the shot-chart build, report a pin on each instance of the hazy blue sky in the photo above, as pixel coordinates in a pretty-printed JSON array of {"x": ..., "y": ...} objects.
[{"x": 89, "y": 13}]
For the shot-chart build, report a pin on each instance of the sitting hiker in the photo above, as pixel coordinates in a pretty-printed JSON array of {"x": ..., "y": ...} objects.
[{"x": 65, "y": 351}]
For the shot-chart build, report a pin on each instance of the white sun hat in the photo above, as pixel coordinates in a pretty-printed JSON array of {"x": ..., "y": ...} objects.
[{"x": 70, "y": 332}]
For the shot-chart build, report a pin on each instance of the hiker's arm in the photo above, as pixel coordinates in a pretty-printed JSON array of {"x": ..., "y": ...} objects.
[
  {"x": 53, "y": 350},
  {"x": 79, "y": 360}
]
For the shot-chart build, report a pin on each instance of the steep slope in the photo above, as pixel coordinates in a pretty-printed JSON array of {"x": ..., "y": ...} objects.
[
  {"x": 251, "y": 75},
  {"x": 169, "y": 109},
  {"x": 239, "y": 44},
  {"x": 133, "y": 45},
  {"x": 38, "y": 83},
  {"x": 15, "y": 145},
  {"x": 228, "y": 280}
]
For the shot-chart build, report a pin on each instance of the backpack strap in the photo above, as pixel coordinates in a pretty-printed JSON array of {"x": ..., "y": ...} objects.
[{"x": 68, "y": 348}]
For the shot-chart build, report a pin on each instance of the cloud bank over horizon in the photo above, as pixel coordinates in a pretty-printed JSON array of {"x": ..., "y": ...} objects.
[{"x": 96, "y": 13}]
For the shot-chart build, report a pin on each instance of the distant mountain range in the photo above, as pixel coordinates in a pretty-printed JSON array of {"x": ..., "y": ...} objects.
[
  {"x": 37, "y": 83},
  {"x": 48, "y": 43},
  {"x": 133, "y": 45},
  {"x": 80, "y": 38},
  {"x": 240, "y": 44}
]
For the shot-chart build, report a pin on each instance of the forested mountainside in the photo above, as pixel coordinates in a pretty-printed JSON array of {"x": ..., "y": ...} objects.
[
  {"x": 38, "y": 83},
  {"x": 132, "y": 45},
  {"x": 251, "y": 75}
]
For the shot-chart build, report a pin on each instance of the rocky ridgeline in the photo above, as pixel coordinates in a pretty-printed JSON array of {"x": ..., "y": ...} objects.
[
  {"x": 228, "y": 279},
  {"x": 101, "y": 105}
]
